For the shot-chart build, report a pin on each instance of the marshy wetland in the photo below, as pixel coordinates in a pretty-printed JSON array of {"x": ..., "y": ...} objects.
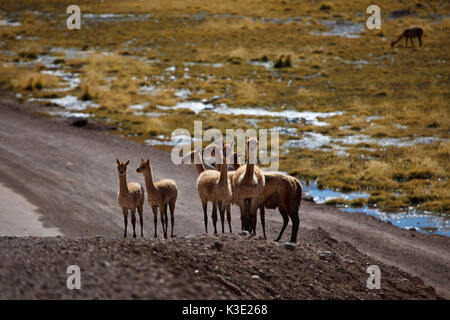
[{"x": 364, "y": 125}]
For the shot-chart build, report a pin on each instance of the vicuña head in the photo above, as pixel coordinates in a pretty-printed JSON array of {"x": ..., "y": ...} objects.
[
  {"x": 122, "y": 167},
  {"x": 252, "y": 144},
  {"x": 143, "y": 166}
]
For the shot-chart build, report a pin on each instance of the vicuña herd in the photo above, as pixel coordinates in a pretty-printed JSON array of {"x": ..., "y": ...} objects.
[{"x": 246, "y": 186}]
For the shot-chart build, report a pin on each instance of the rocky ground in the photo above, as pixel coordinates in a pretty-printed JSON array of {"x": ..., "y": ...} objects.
[{"x": 228, "y": 266}]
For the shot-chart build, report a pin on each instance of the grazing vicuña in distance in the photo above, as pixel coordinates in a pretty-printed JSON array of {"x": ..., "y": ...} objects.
[{"x": 410, "y": 34}]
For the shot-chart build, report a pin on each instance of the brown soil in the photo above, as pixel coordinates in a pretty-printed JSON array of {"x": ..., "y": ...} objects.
[{"x": 199, "y": 267}]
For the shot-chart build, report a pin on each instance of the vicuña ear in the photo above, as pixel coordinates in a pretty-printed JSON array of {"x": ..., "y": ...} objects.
[
  {"x": 126, "y": 163},
  {"x": 148, "y": 161},
  {"x": 118, "y": 162},
  {"x": 142, "y": 159}
]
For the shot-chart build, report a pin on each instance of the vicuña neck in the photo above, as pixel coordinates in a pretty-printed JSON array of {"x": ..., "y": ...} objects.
[
  {"x": 235, "y": 161},
  {"x": 123, "y": 186},
  {"x": 224, "y": 170},
  {"x": 198, "y": 163},
  {"x": 148, "y": 175},
  {"x": 249, "y": 169}
]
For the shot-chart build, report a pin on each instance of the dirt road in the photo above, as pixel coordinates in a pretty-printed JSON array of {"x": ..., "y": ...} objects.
[{"x": 69, "y": 173}]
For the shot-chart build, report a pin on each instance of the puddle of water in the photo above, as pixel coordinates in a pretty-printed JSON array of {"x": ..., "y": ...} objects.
[
  {"x": 266, "y": 64},
  {"x": 313, "y": 76},
  {"x": 314, "y": 140},
  {"x": 279, "y": 20},
  {"x": 322, "y": 196},
  {"x": 310, "y": 140},
  {"x": 162, "y": 140},
  {"x": 372, "y": 118},
  {"x": 68, "y": 114},
  {"x": 253, "y": 122},
  {"x": 114, "y": 17},
  {"x": 9, "y": 23},
  {"x": 341, "y": 28},
  {"x": 138, "y": 107},
  {"x": 386, "y": 142},
  {"x": 69, "y": 102},
  {"x": 289, "y": 115},
  {"x": 355, "y": 62},
  {"x": 420, "y": 221},
  {"x": 73, "y": 103},
  {"x": 71, "y": 79},
  {"x": 286, "y": 131},
  {"x": 72, "y": 53},
  {"x": 183, "y": 93},
  {"x": 205, "y": 64},
  {"x": 8, "y": 53},
  {"x": 194, "y": 106},
  {"x": 145, "y": 89},
  {"x": 254, "y": 19}
]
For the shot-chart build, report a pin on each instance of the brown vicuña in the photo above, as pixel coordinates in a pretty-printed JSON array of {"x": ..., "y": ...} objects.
[
  {"x": 215, "y": 186},
  {"x": 285, "y": 193},
  {"x": 159, "y": 195},
  {"x": 410, "y": 34},
  {"x": 248, "y": 183},
  {"x": 130, "y": 198}
]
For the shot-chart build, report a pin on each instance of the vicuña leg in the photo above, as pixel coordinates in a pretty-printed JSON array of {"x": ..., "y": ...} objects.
[
  {"x": 247, "y": 206},
  {"x": 242, "y": 209},
  {"x": 285, "y": 216},
  {"x": 141, "y": 219},
  {"x": 166, "y": 219},
  {"x": 125, "y": 220},
  {"x": 163, "y": 214},
  {"x": 172, "y": 214},
  {"x": 262, "y": 213},
  {"x": 133, "y": 221},
  {"x": 229, "y": 217},
  {"x": 205, "y": 214},
  {"x": 214, "y": 216},
  {"x": 253, "y": 213},
  {"x": 155, "y": 219},
  {"x": 295, "y": 224},
  {"x": 222, "y": 215}
]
